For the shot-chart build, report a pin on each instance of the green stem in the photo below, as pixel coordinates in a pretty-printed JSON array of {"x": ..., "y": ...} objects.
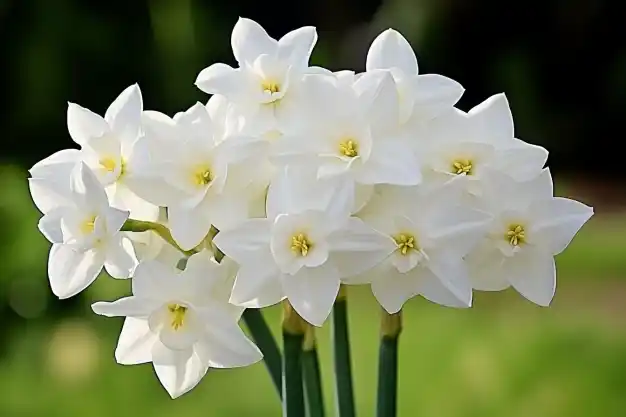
[
  {"x": 312, "y": 375},
  {"x": 391, "y": 326},
  {"x": 132, "y": 225},
  {"x": 264, "y": 339},
  {"x": 341, "y": 346},
  {"x": 293, "y": 339}
]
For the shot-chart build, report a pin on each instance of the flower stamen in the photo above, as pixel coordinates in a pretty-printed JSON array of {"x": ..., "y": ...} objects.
[
  {"x": 300, "y": 244},
  {"x": 88, "y": 225},
  {"x": 177, "y": 313},
  {"x": 461, "y": 167},
  {"x": 202, "y": 176},
  {"x": 270, "y": 87},
  {"x": 349, "y": 148},
  {"x": 516, "y": 235},
  {"x": 405, "y": 242}
]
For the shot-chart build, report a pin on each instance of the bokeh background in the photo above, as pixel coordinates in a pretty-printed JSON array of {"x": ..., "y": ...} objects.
[{"x": 562, "y": 64}]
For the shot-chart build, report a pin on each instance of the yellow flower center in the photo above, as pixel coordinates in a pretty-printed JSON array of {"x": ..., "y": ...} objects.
[
  {"x": 270, "y": 87},
  {"x": 109, "y": 164},
  {"x": 202, "y": 176},
  {"x": 461, "y": 166},
  {"x": 88, "y": 225},
  {"x": 349, "y": 148},
  {"x": 405, "y": 242},
  {"x": 516, "y": 235},
  {"x": 177, "y": 315},
  {"x": 300, "y": 244}
]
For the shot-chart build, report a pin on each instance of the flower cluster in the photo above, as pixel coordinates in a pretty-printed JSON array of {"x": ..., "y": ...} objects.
[{"x": 291, "y": 181}]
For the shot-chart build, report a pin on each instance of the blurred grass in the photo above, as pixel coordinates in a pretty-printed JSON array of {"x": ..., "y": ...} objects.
[{"x": 504, "y": 357}]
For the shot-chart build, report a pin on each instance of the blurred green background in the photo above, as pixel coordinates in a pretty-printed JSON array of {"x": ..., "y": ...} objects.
[{"x": 563, "y": 67}]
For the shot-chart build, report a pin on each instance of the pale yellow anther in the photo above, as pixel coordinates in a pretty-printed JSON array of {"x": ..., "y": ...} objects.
[
  {"x": 462, "y": 166},
  {"x": 88, "y": 225},
  {"x": 516, "y": 235},
  {"x": 177, "y": 315},
  {"x": 270, "y": 87},
  {"x": 406, "y": 242},
  {"x": 108, "y": 164},
  {"x": 300, "y": 244},
  {"x": 349, "y": 148},
  {"x": 202, "y": 176}
]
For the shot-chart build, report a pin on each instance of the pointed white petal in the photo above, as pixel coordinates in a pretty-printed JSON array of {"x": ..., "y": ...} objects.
[
  {"x": 222, "y": 79},
  {"x": 71, "y": 271},
  {"x": 86, "y": 188},
  {"x": 358, "y": 248},
  {"x": 393, "y": 290},
  {"x": 391, "y": 50},
  {"x": 533, "y": 275},
  {"x": 56, "y": 167},
  {"x": 452, "y": 273},
  {"x": 249, "y": 40},
  {"x": 124, "y": 114},
  {"x": 434, "y": 290},
  {"x": 48, "y": 195},
  {"x": 135, "y": 343},
  {"x": 225, "y": 345},
  {"x": 50, "y": 225},
  {"x": 155, "y": 280},
  {"x": 485, "y": 265},
  {"x": 493, "y": 118},
  {"x": 435, "y": 94},
  {"x": 556, "y": 221},
  {"x": 83, "y": 124},
  {"x": 124, "y": 307},
  {"x": 120, "y": 259},
  {"x": 312, "y": 292},
  {"x": 296, "y": 46},
  {"x": 188, "y": 227},
  {"x": 391, "y": 162},
  {"x": 179, "y": 371},
  {"x": 257, "y": 283},
  {"x": 244, "y": 241}
]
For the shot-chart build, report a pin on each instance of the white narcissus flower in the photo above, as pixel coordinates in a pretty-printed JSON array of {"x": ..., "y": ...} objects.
[
  {"x": 482, "y": 140},
  {"x": 84, "y": 230},
  {"x": 181, "y": 322},
  {"x": 432, "y": 232},
  {"x": 195, "y": 170},
  {"x": 529, "y": 228},
  {"x": 107, "y": 144},
  {"x": 304, "y": 247},
  {"x": 421, "y": 97},
  {"x": 268, "y": 70},
  {"x": 350, "y": 132}
]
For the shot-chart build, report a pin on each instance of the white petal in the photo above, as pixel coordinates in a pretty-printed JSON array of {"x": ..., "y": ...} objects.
[
  {"x": 394, "y": 289},
  {"x": 358, "y": 248},
  {"x": 523, "y": 161},
  {"x": 457, "y": 229},
  {"x": 432, "y": 289},
  {"x": 49, "y": 195},
  {"x": 182, "y": 337},
  {"x": 257, "y": 284},
  {"x": 452, "y": 273},
  {"x": 434, "y": 94},
  {"x": 249, "y": 40},
  {"x": 56, "y": 167},
  {"x": 124, "y": 114},
  {"x": 120, "y": 258},
  {"x": 485, "y": 264},
  {"x": 391, "y": 162},
  {"x": 83, "y": 124},
  {"x": 378, "y": 93},
  {"x": 222, "y": 79},
  {"x": 312, "y": 292},
  {"x": 493, "y": 118},
  {"x": 179, "y": 371},
  {"x": 533, "y": 274},
  {"x": 155, "y": 280},
  {"x": 86, "y": 188},
  {"x": 125, "y": 307},
  {"x": 244, "y": 241},
  {"x": 556, "y": 221},
  {"x": 135, "y": 343},
  {"x": 70, "y": 271},
  {"x": 225, "y": 344},
  {"x": 296, "y": 46},
  {"x": 50, "y": 225},
  {"x": 188, "y": 227},
  {"x": 391, "y": 50}
]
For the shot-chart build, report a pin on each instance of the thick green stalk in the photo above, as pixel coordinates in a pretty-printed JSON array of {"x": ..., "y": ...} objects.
[
  {"x": 391, "y": 326},
  {"x": 312, "y": 375},
  {"x": 341, "y": 348},
  {"x": 264, "y": 339},
  {"x": 132, "y": 225},
  {"x": 293, "y": 339}
]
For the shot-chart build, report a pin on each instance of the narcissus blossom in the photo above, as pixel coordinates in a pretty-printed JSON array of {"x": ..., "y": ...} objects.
[
  {"x": 181, "y": 322},
  {"x": 290, "y": 181}
]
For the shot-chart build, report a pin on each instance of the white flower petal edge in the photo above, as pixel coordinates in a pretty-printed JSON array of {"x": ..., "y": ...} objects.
[{"x": 180, "y": 321}]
